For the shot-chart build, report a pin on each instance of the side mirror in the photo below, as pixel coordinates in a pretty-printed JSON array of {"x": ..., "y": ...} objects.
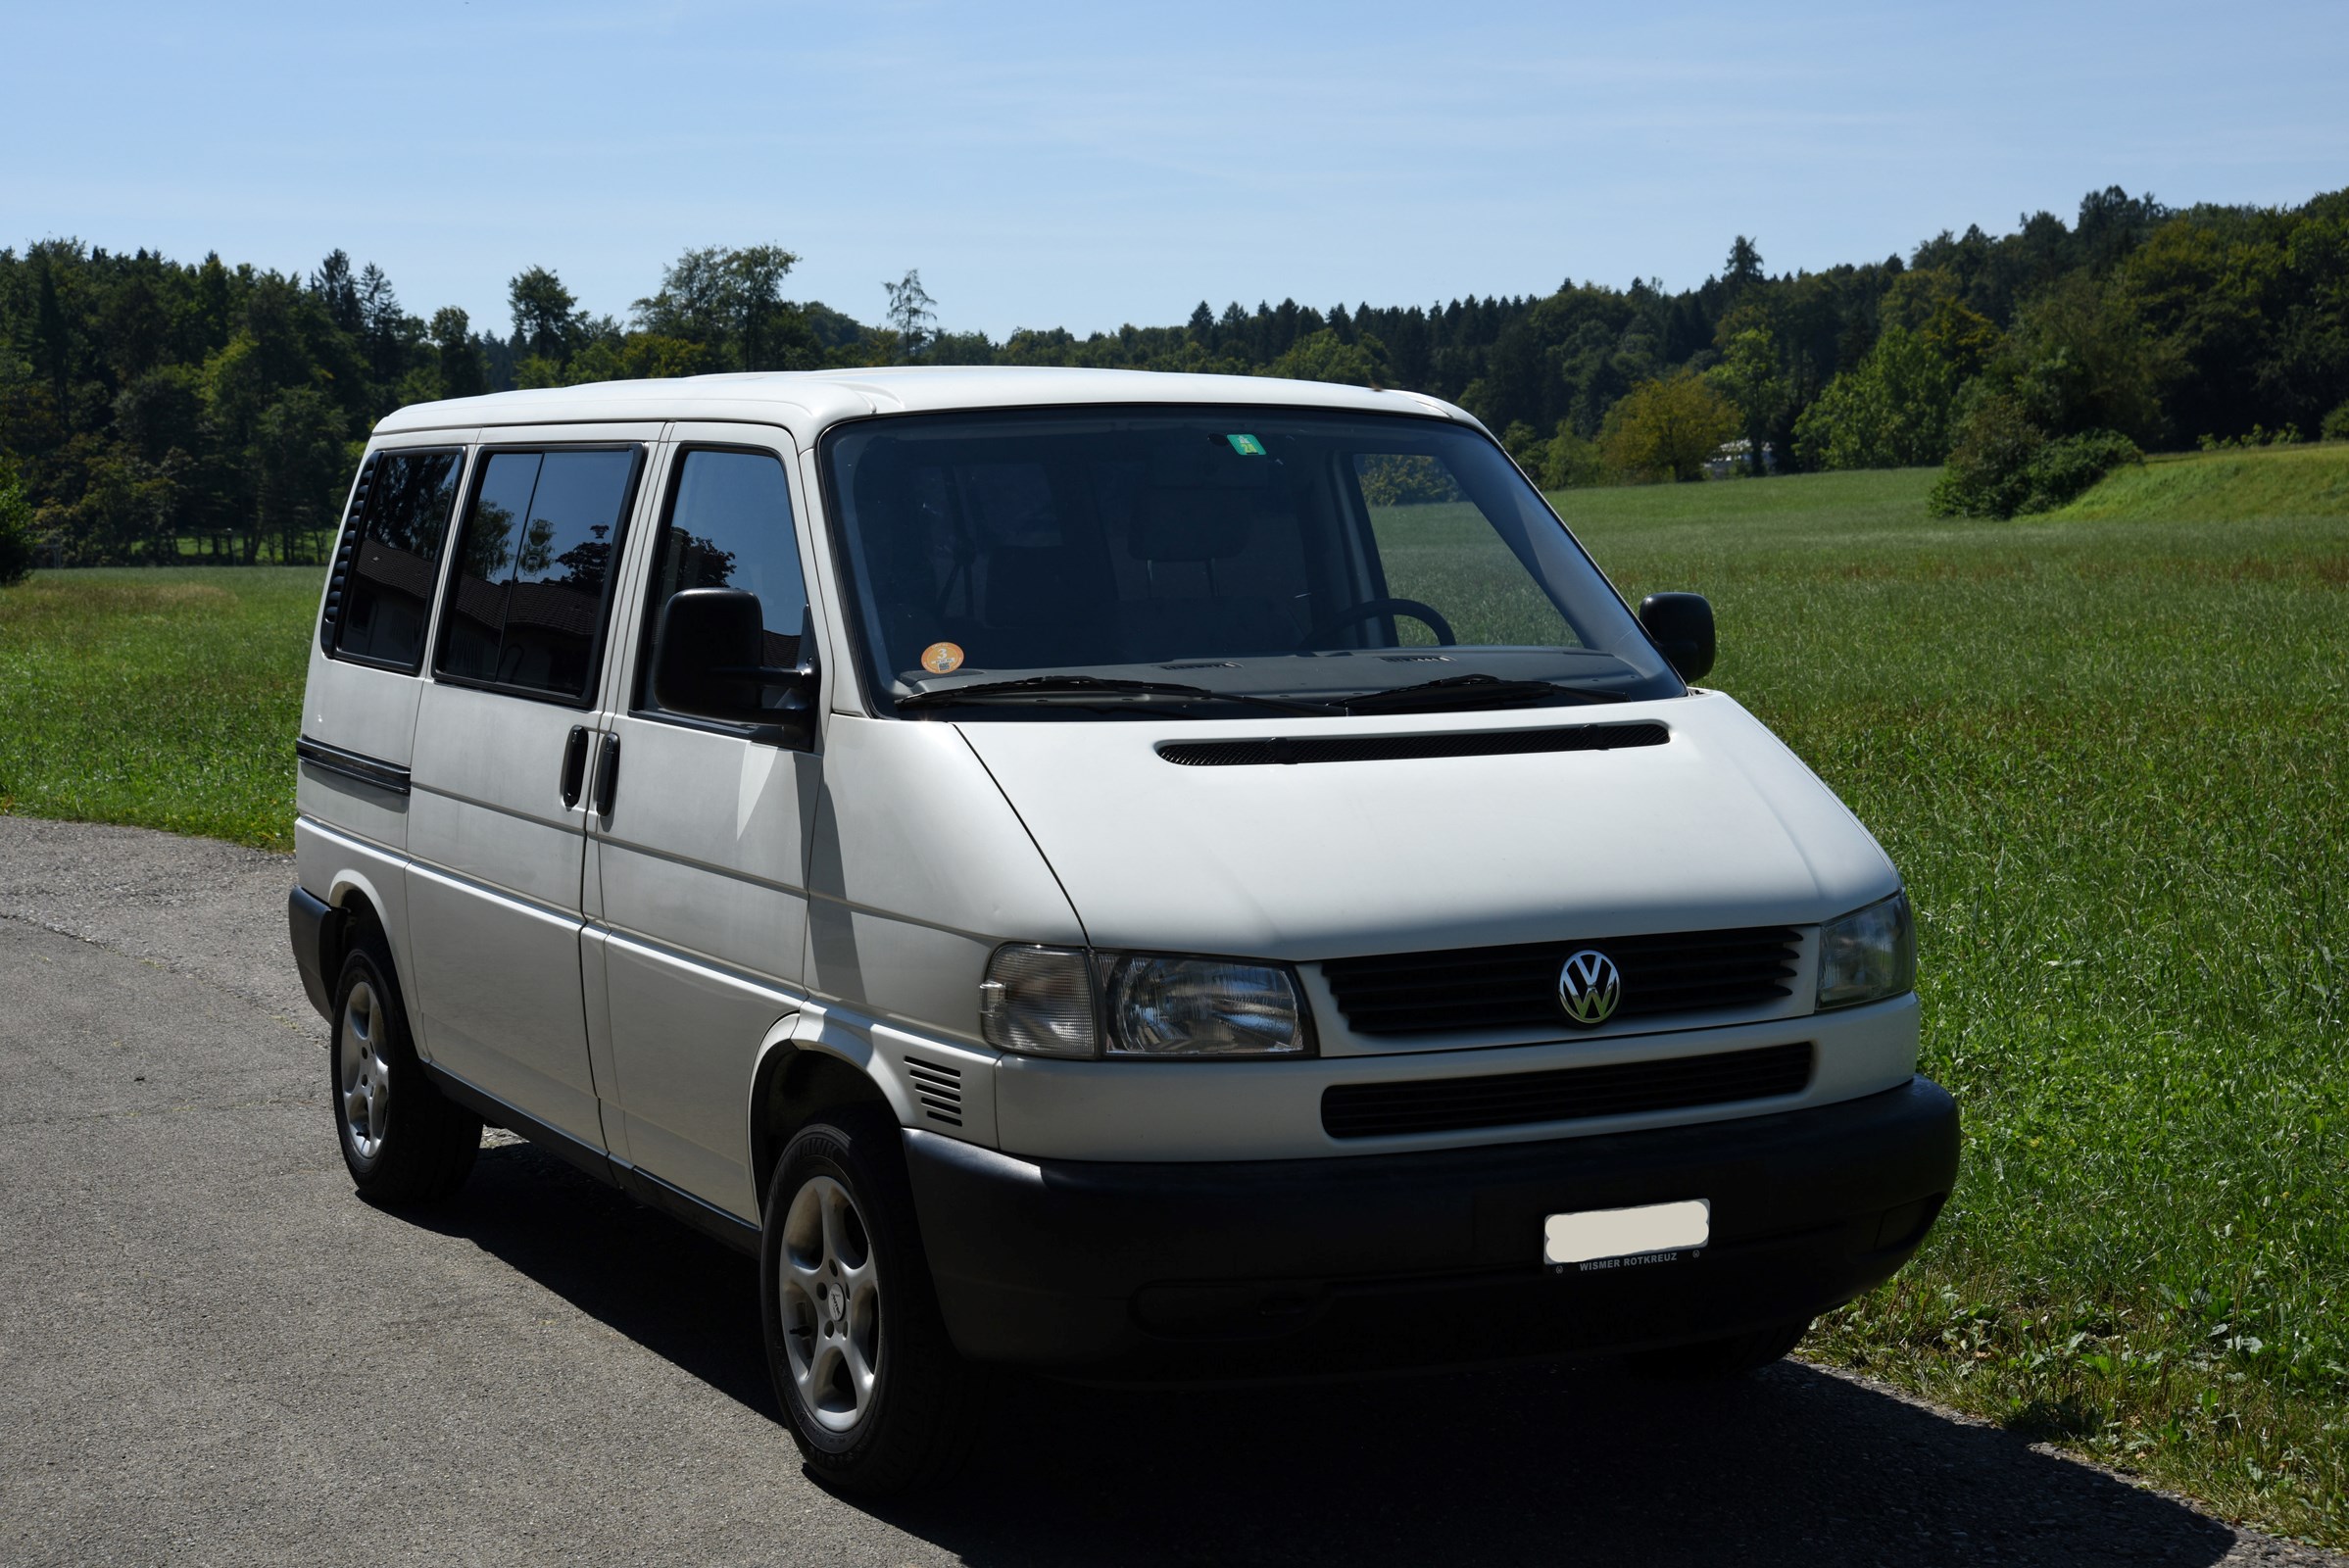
[
  {"x": 708, "y": 662},
  {"x": 1682, "y": 625}
]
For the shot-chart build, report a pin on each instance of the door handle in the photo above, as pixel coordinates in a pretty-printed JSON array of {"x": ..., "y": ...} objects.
[
  {"x": 574, "y": 766},
  {"x": 608, "y": 774}
]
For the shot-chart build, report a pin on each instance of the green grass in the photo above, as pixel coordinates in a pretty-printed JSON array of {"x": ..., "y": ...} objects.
[
  {"x": 162, "y": 696},
  {"x": 2106, "y": 750},
  {"x": 2104, "y": 747},
  {"x": 2310, "y": 482}
]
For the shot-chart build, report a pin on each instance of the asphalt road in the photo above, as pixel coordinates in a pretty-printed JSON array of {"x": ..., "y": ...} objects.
[{"x": 212, "y": 1351}]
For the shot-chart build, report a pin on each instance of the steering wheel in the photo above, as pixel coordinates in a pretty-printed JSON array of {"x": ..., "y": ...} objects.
[{"x": 1384, "y": 606}]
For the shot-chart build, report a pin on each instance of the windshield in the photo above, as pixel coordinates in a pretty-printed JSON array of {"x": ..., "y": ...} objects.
[{"x": 1091, "y": 562}]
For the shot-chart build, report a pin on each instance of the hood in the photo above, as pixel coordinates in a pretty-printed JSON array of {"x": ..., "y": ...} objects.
[{"x": 1719, "y": 827}]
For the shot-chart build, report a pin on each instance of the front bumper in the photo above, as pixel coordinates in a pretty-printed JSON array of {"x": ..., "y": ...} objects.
[{"x": 1285, "y": 1267}]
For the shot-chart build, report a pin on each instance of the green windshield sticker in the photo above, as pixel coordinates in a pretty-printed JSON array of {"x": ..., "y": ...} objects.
[{"x": 1248, "y": 446}]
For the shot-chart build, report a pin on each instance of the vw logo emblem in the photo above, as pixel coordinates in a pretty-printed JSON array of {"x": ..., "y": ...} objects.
[{"x": 1588, "y": 988}]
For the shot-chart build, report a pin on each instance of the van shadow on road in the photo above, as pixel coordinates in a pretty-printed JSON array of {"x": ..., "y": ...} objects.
[{"x": 1539, "y": 1464}]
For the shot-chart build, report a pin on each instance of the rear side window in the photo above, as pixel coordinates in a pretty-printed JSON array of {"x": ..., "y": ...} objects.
[
  {"x": 729, "y": 526},
  {"x": 525, "y": 610},
  {"x": 393, "y": 561}
]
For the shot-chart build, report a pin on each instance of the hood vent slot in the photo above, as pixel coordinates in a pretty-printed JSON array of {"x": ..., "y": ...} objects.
[
  {"x": 939, "y": 1090},
  {"x": 1289, "y": 749}
]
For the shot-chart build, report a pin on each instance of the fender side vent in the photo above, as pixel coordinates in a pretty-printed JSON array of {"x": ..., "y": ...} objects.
[
  {"x": 1288, "y": 750},
  {"x": 939, "y": 1089}
]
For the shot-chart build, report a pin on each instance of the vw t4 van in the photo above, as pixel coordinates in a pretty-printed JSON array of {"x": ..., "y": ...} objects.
[{"x": 1134, "y": 876}]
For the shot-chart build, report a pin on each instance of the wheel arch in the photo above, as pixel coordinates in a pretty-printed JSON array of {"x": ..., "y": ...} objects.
[{"x": 805, "y": 1067}]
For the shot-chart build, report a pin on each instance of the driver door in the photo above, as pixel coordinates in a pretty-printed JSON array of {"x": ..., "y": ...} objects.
[{"x": 699, "y": 861}]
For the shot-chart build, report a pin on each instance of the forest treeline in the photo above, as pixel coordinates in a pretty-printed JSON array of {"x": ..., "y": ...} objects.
[{"x": 159, "y": 411}]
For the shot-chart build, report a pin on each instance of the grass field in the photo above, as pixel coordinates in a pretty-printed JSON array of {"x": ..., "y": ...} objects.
[
  {"x": 2105, "y": 748},
  {"x": 166, "y": 697}
]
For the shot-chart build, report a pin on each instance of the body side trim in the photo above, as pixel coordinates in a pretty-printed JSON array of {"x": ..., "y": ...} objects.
[
  {"x": 499, "y": 1113},
  {"x": 347, "y": 764},
  {"x": 648, "y": 1189}
]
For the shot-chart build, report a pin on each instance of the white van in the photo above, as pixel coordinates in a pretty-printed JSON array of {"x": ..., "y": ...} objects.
[{"x": 1136, "y": 876}]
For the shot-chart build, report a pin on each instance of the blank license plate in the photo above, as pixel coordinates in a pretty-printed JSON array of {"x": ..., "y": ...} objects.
[{"x": 1622, "y": 1237}]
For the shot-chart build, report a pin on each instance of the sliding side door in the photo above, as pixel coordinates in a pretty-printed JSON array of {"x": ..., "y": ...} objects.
[{"x": 506, "y": 741}]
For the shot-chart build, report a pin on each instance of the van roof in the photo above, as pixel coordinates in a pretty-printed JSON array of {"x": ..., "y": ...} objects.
[{"x": 807, "y": 400}]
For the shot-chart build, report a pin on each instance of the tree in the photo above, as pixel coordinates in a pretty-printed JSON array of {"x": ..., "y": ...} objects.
[
  {"x": 731, "y": 301},
  {"x": 2080, "y": 359},
  {"x": 910, "y": 314},
  {"x": 1891, "y": 412},
  {"x": 387, "y": 335},
  {"x": 546, "y": 320},
  {"x": 1745, "y": 265},
  {"x": 337, "y": 291},
  {"x": 1667, "y": 426},
  {"x": 1749, "y": 376},
  {"x": 16, "y": 527},
  {"x": 1325, "y": 357},
  {"x": 457, "y": 356},
  {"x": 298, "y": 462}
]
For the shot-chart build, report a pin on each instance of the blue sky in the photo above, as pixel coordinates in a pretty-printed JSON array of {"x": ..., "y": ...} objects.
[{"x": 1085, "y": 166}]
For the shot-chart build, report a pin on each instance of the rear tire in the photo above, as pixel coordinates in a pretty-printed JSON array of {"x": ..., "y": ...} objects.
[
  {"x": 1719, "y": 1360},
  {"x": 404, "y": 1140},
  {"x": 878, "y": 1399}
]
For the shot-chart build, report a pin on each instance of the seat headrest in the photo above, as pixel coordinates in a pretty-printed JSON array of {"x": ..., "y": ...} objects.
[{"x": 1192, "y": 523}]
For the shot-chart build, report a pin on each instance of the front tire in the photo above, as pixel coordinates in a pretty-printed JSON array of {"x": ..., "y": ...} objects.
[
  {"x": 878, "y": 1399},
  {"x": 404, "y": 1142}
]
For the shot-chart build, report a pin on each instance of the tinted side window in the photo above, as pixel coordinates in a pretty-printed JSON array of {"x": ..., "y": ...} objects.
[
  {"x": 729, "y": 526},
  {"x": 395, "y": 563},
  {"x": 534, "y": 569}
]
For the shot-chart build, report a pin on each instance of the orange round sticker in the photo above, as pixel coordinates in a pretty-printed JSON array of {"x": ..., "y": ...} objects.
[{"x": 942, "y": 658}]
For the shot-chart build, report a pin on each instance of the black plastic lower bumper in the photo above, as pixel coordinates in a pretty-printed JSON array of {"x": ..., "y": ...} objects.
[
  {"x": 311, "y": 923},
  {"x": 1282, "y": 1268}
]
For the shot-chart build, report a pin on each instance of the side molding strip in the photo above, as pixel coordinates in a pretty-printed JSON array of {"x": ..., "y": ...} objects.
[
  {"x": 390, "y": 776},
  {"x": 647, "y": 1190},
  {"x": 495, "y": 1112},
  {"x": 679, "y": 1204}
]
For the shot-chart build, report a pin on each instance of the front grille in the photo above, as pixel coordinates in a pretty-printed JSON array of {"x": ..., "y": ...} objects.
[
  {"x": 1517, "y": 987},
  {"x": 1290, "y": 750},
  {"x": 1564, "y": 1093},
  {"x": 939, "y": 1090}
]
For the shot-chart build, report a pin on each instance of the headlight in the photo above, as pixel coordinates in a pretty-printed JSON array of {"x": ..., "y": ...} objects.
[
  {"x": 1054, "y": 1002},
  {"x": 1867, "y": 954},
  {"x": 1039, "y": 1002},
  {"x": 1161, "y": 1006}
]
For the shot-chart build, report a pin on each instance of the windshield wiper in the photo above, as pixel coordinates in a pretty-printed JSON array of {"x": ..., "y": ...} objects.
[
  {"x": 1476, "y": 691},
  {"x": 1044, "y": 688}
]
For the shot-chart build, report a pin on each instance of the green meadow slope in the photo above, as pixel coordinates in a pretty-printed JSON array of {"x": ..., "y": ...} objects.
[{"x": 2303, "y": 481}]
